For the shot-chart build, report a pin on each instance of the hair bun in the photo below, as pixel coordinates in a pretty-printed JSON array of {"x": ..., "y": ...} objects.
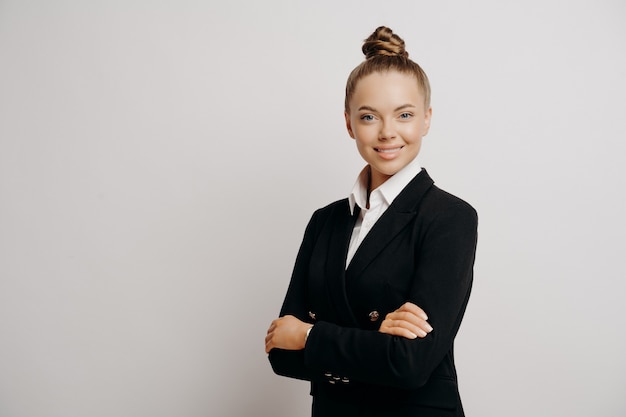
[{"x": 384, "y": 42}]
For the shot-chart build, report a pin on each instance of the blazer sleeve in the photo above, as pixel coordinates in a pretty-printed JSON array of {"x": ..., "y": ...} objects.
[
  {"x": 441, "y": 286},
  {"x": 291, "y": 363}
]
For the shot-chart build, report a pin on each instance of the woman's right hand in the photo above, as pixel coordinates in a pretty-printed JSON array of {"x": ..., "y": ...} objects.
[
  {"x": 408, "y": 321},
  {"x": 287, "y": 333}
]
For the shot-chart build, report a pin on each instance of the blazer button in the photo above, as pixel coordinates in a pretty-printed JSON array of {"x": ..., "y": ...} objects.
[
  {"x": 312, "y": 315},
  {"x": 374, "y": 315}
]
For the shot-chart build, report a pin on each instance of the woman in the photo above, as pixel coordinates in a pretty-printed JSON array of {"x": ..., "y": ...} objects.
[{"x": 382, "y": 278}]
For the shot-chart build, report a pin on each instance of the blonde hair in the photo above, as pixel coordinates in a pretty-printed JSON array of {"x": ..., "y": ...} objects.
[{"x": 384, "y": 51}]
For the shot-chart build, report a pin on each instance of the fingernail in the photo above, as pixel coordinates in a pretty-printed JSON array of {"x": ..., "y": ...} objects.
[
  {"x": 413, "y": 335},
  {"x": 429, "y": 328}
]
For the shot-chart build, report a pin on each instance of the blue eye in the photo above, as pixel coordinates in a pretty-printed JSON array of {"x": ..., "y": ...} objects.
[
  {"x": 367, "y": 117},
  {"x": 406, "y": 115}
]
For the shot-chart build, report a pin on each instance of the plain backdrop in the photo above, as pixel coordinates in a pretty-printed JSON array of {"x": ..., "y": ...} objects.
[{"x": 159, "y": 161}]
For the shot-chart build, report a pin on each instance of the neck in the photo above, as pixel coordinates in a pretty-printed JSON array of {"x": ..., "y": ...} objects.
[{"x": 375, "y": 180}]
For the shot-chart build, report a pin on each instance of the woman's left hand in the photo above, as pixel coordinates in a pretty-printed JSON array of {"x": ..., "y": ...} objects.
[
  {"x": 409, "y": 321},
  {"x": 287, "y": 333}
]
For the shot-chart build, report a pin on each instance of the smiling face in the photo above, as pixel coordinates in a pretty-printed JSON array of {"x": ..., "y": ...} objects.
[{"x": 387, "y": 119}]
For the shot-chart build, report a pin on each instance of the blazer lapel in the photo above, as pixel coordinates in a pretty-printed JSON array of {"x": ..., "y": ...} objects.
[
  {"x": 398, "y": 215},
  {"x": 335, "y": 276}
]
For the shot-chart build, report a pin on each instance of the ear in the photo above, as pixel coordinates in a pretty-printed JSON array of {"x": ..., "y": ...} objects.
[
  {"x": 348, "y": 124},
  {"x": 428, "y": 114}
]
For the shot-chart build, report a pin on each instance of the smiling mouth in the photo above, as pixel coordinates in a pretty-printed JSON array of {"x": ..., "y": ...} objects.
[{"x": 388, "y": 150}]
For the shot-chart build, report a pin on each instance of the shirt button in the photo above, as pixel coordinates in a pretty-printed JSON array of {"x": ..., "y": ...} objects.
[{"x": 374, "y": 315}]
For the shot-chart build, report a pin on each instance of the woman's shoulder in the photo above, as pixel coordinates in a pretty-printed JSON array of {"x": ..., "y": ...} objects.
[
  {"x": 327, "y": 215},
  {"x": 439, "y": 201},
  {"x": 423, "y": 195},
  {"x": 445, "y": 198},
  {"x": 341, "y": 206}
]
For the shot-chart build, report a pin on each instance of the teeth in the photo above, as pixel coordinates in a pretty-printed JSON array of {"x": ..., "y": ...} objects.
[{"x": 389, "y": 150}]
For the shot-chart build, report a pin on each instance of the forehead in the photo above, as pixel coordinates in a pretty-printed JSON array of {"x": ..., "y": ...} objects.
[{"x": 387, "y": 89}]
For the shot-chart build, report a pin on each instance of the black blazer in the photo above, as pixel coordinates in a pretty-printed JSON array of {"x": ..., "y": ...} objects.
[{"x": 421, "y": 250}]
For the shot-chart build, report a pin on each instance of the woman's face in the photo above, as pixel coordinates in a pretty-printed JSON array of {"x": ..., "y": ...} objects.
[{"x": 387, "y": 120}]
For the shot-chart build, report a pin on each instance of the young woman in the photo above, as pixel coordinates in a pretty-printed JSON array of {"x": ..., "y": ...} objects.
[{"x": 382, "y": 278}]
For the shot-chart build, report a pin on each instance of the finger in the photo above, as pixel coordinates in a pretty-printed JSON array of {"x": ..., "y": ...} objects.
[
  {"x": 403, "y": 331},
  {"x": 417, "y": 330},
  {"x": 411, "y": 317},
  {"x": 405, "y": 316},
  {"x": 267, "y": 344},
  {"x": 398, "y": 331},
  {"x": 419, "y": 327},
  {"x": 413, "y": 308}
]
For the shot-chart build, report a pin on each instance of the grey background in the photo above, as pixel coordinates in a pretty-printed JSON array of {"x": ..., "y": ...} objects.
[{"x": 159, "y": 161}]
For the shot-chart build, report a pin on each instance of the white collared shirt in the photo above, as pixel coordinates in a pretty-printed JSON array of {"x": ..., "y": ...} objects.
[{"x": 380, "y": 200}]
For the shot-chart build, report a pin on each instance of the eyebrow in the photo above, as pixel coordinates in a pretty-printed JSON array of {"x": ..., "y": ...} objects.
[{"x": 402, "y": 107}]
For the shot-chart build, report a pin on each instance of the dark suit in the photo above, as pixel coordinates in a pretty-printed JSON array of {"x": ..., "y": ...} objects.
[{"x": 421, "y": 250}]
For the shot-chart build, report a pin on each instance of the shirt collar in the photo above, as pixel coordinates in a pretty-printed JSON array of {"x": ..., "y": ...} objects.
[{"x": 389, "y": 189}]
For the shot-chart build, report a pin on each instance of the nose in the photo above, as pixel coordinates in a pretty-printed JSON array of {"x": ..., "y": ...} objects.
[{"x": 387, "y": 131}]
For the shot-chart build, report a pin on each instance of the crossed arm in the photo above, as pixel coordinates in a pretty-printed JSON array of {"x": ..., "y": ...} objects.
[
  {"x": 289, "y": 333},
  {"x": 407, "y": 359}
]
